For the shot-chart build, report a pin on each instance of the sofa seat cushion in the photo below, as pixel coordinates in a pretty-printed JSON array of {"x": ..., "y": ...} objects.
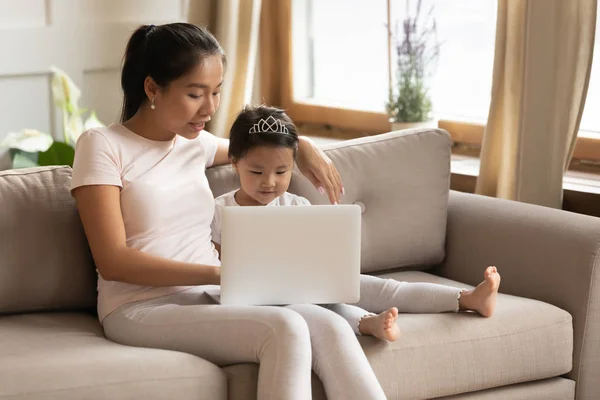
[
  {"x": 445, "y": 354},
  {"x": 66, "y": 356},
  {"x": 242, "y": 383},
  {"x": 242, "y": 379},
  {"x": 547, "y": 389}
]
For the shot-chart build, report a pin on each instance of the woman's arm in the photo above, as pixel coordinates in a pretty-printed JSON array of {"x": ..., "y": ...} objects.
[
  {"x": 100, "y": 210},
  {"x": 222, "y": 154},
  {"x": 319, "y": 169},
  {"x": 218, "y": 248},
  {"x": 312, "y": 162}
]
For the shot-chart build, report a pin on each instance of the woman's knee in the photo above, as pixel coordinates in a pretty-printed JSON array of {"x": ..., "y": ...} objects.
[
  {"x": 288, "y": 325},
  {"x": 337, "y": 329},
  {"x": 324, "y": 322}
]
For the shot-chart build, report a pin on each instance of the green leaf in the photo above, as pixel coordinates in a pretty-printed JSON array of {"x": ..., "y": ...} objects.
[
  {"x": 58, "y": 154},
  {"x": 23, "y": 159}
]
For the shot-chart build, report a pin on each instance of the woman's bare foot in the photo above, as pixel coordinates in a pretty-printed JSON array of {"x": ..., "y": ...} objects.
[
  {"x": 382, "y": 326},
  {"x": 482, "y": 299}
]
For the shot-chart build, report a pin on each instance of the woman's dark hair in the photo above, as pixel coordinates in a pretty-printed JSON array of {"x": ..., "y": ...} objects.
[
  {"x": 164, "y": 53},
  {"x": 259, "y": 126}
]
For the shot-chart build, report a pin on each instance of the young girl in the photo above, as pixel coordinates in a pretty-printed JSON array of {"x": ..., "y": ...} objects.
[{"x": 263, "y": 144}]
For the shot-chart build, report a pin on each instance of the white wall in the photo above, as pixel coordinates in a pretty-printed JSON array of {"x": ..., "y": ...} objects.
[{"x": 85, "y": 38}]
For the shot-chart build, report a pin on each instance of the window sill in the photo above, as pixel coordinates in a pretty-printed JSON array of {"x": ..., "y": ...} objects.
[
  {"x": 579, "y": 181},
  {"x": 463, "y": 133},
  {"x": 587, "y": 146},
  {"x": 581, "y": 189}
]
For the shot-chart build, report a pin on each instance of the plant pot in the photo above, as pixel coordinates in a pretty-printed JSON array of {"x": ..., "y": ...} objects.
[{"x": 399, "y": 126}]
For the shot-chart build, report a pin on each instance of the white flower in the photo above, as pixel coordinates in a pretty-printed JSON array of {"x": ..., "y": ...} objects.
[
  {"x": 30, "y": 140},
  {"x": 92, "y": 122},
  {"x": 66, "y": 95},
  {"x": 73, "y": 128}
]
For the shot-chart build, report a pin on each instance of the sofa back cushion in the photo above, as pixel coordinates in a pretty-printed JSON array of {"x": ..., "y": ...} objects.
[
  {"x": 45, "y": 262},
  {"x": 400, "y": 179}
]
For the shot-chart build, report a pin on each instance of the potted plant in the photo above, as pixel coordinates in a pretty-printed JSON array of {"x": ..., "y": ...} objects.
[
  {"x": 417, "y": 51},
  {"x": 30, "y": 147}
]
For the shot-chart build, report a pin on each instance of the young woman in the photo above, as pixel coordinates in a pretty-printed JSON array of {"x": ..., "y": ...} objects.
[{"x": 145, "y": 204}]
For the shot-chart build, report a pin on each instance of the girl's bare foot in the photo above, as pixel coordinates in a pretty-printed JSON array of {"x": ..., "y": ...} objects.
[
  {"x": 482, "y": 299},
  {"x": 382, "y": 326}
]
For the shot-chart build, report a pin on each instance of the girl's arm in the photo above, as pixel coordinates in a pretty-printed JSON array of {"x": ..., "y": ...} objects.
[
  {"x": 100, "y": 211},
  {"x": 312, "y": 162}
]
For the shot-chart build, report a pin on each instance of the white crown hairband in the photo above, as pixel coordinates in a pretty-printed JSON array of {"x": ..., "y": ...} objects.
[{"x": 269, "y": 125}]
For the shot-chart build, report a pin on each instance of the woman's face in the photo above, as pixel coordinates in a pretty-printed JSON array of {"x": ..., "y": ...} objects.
[{"x": 188, "y": 103}]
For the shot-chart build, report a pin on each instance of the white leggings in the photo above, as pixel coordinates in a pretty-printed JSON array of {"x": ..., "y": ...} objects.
[
  {"x": 377, "y": 295},
  {"x": 287, "y": 342}
]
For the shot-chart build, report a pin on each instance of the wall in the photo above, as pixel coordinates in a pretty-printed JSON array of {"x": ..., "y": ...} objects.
[{"x": 85, "y": 38}]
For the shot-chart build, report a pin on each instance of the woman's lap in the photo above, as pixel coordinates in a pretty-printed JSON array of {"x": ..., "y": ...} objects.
[
  {"x": 278, "y": 338},
  {"x": 190, "y": 321}
]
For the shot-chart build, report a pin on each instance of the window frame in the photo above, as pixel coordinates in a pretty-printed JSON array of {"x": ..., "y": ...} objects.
[{"x": 306, "y": 113}]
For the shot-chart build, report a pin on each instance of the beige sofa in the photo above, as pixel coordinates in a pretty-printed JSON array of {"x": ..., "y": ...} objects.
[{"x": 542, "y": 343}]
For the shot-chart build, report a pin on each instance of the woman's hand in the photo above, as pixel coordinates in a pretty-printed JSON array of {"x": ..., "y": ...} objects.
[{"x": 319, "y": 169}]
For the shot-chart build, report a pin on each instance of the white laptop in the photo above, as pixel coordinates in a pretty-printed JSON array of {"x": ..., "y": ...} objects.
[{"x": 290, "y": 255}]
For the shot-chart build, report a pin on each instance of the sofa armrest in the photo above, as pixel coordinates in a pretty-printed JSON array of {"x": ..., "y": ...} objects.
[{"x": 541, "y": 253}]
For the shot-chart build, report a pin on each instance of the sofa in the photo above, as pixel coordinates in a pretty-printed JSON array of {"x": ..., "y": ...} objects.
[{"x": 543, "y": 342}]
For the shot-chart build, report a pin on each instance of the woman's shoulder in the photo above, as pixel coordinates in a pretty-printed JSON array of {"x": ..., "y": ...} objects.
[
  {"x": 112, "y": 130},
  {"x": 96, "y": 161},
  {"x": 204, "y": 146},
  {"x": 94, "y": 140},
  {"x": 203, "y": 139},
  {"x": 100, "y": 136}
]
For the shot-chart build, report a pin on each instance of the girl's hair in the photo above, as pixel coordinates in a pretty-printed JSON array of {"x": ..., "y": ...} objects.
[
  {"x": 164, "y": 53},
  {"x": 257, "y": 126}
]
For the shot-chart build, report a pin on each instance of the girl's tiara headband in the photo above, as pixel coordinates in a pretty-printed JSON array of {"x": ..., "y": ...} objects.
[{"x": 269, "y": 125}]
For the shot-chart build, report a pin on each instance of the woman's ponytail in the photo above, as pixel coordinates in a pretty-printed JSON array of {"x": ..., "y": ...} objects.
[{"x": 134, "y": 72}]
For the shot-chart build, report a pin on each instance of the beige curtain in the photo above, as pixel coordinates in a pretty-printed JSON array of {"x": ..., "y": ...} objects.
[
  {"x": 235, "y": 23},
  {"x": 542, "y": 66}
]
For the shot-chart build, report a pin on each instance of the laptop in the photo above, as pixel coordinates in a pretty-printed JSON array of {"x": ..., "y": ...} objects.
[{"x": 290, "y": 255}]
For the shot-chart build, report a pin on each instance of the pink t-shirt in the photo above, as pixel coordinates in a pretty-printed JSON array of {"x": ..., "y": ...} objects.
[{"x": 166, "y": 202}]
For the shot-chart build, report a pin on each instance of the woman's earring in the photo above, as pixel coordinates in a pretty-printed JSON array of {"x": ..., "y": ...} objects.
[{"x": 152, "y": 106}]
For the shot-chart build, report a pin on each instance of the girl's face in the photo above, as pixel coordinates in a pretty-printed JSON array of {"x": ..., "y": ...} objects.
[
  {"x": 265, "y": 174},
  {"x": 188, "y": 103}
]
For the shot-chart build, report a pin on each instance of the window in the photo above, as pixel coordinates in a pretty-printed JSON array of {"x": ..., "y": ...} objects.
[
  {"x": 590, "y": 120},
  {"x": 353, "y": 33},
  {"x": 340, "y": 53},
  {"x": 461, "y": 87},
  {"x": 336, "y": 66}
]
